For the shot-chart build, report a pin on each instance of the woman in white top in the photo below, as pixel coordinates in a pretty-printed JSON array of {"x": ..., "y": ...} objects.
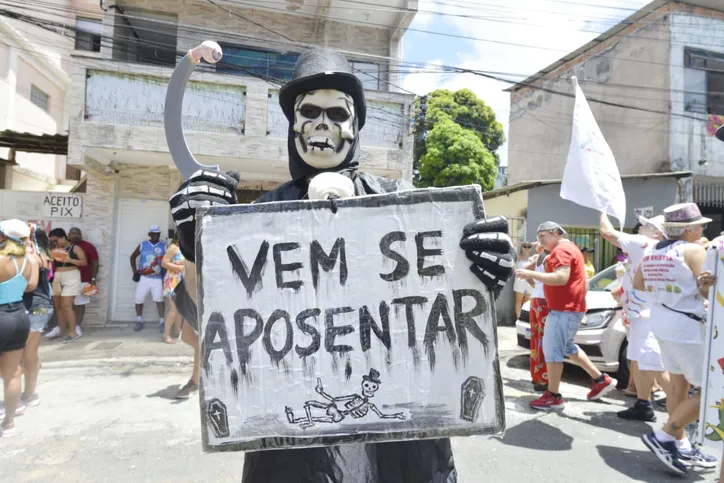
[{"x": 522, "y": 288}]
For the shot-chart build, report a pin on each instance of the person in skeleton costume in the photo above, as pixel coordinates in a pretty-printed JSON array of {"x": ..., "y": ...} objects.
[{"x": 326, "y": 109}]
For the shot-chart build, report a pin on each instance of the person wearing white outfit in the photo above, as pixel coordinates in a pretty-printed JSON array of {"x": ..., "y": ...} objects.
[
  {"x": 643, "y": 349},
  {"x": 522, "y": 288},
  {"x": 669, "y": 274}
]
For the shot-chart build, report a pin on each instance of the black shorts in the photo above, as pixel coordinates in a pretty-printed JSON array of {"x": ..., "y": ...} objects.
[
  {"x": 14, "y": 327},
  {"x": 185, "y": 305}
]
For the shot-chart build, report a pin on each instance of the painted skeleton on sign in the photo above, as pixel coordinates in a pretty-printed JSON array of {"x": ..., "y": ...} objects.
[
  {"x": 352, "y": 405},
  {"x": 326, "y": 109}
]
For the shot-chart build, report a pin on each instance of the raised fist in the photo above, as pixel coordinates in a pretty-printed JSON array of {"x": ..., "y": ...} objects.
[
  {"x": 488, "y": 246},
  {"x": 203, "y": 188}
]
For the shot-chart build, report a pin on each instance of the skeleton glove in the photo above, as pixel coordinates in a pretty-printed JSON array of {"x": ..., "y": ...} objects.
[
  {"x": 488, "y": 246},
  {"x": 203, "y": 188}
]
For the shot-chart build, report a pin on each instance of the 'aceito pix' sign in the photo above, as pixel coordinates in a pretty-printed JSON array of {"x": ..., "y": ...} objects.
[{"x": 62, "y": 206}]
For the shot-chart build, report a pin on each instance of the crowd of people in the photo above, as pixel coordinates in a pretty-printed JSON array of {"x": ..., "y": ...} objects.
[
  {"x": 663, "y": 292},
  {"x": 44, "y": 274}
]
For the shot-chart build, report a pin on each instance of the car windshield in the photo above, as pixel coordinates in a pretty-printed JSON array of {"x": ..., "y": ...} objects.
[{"x": 601, "y": 281}]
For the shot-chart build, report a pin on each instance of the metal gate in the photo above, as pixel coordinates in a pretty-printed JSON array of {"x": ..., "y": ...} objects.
[
  {"x": 604, "y": 252},
  {"x": 516, "y": 230}
]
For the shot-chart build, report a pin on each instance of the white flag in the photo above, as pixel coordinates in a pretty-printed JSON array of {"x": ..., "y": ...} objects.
[{"x": 591, "y": 177}]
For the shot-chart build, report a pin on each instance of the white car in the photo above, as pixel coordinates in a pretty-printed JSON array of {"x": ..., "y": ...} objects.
[{"x": 602, "y": 335}]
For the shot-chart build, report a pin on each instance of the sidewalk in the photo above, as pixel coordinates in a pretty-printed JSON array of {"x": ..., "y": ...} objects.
[
  {"x": 117, "y": 343},
  {"x": 120, "y": 344}
]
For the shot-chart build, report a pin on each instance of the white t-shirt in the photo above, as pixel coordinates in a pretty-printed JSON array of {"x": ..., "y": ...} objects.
[
  {"x": 538, "y": 292},
  {"x": 635, "y": 302},
  {"x": 671, "y": 284}
]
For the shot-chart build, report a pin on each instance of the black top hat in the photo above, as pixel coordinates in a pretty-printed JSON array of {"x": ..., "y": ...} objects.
[
  {"x": 374, "y": 376},
  {"x": 720, "y": 133},
  {"x": 322, "y": 69}
]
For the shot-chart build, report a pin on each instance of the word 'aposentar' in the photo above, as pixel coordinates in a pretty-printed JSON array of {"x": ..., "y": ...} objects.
[{"x": 334, "y": 328}]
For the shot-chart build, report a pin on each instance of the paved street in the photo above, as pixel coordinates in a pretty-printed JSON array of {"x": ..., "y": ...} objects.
[{"x": 112, "y": 420}]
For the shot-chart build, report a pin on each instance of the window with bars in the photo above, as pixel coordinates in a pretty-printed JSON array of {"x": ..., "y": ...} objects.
[
  {"x": 39, "y": 98},
  {"x": 238, "y": 60},
  {"x": 88, "y": 34},
  {"x": 368, "y": 73},
  {"x": 703, "y": 82}
]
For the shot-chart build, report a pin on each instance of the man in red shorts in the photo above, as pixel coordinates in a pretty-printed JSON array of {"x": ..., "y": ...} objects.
[{"x": 565, "y": 286}]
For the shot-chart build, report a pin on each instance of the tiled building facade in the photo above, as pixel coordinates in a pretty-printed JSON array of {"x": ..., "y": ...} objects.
[{"x": 231, "y": 120}]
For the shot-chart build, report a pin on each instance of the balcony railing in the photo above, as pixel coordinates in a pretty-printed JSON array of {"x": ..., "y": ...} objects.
[{"x": 138, "y": 100}]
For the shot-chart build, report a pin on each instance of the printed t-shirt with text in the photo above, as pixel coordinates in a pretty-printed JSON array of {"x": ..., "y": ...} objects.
[
  {"x": 635, "y": 302},
  {"x": 570, "y": 297}
]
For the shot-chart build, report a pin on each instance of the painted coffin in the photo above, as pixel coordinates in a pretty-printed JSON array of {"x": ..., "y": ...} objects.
[{"x": 364, "y": 324}]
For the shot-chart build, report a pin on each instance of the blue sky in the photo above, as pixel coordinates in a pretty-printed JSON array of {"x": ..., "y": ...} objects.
[{"x": 545, "y": 29}]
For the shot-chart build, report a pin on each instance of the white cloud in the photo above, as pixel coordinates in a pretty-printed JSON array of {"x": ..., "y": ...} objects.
[{"x": 556, "y": 27}]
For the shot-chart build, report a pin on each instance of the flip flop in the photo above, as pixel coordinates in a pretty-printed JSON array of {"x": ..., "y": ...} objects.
[{"x": 168, "y": 340}]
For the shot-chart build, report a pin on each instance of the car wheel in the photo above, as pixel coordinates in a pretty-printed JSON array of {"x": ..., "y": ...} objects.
[{"x": 623, "y": 369}]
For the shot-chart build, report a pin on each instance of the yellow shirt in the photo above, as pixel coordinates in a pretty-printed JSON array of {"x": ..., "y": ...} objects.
[{"x": 590, "y": 269}]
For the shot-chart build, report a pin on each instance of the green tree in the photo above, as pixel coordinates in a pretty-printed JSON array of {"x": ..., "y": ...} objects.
[
  {"x": 470, "y": 113},
  {"x": 455, "y": 156}
]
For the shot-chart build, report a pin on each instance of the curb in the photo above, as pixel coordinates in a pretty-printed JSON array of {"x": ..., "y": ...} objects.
[{"x": 121, "y": 362}]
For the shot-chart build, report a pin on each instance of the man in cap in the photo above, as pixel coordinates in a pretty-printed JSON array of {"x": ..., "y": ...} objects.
[
  {"x": 643, "y": 349},
  {"x": 565, "y": 286},
  {"x": 326, "y": 109},
  {"x": 670, "y": 273},
  {"x": 147, "y": 272}
]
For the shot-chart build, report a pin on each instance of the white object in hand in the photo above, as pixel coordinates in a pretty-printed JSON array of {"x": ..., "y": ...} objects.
[
  {"x": 325, "y": 185},
  {"x": 209, "y": 50}
]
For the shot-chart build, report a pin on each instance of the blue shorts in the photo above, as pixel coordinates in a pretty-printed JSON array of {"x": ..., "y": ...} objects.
[
  {"x": 560, "y": 331},
  {"x": 39, "y": 321}
]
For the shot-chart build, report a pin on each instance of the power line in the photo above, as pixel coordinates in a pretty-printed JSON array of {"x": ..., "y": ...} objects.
[
  {"x": 358, "y": 54},
  {"x": 287, "y": 38},
  {"x": 459, "y": 70}
]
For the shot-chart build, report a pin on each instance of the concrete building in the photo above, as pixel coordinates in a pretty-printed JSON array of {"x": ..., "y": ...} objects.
[
  {"x": 660, "y": 75},
  {"x": 232, "y": 116},
  {"x": 35, "y": 73}
]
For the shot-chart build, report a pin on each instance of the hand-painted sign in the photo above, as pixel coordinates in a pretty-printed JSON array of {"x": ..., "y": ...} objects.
[
  {"x": 61, "y": 205},
  {"x": 364, "y": 324},
  {"x": 711, "y": 416}
]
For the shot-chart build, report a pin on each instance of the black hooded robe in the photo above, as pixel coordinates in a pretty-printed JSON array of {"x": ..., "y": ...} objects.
[{"x": 417, "y": 461}]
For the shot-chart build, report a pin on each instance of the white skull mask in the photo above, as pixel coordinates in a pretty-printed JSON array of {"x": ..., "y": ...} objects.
[{"x": 324, "y": 127}]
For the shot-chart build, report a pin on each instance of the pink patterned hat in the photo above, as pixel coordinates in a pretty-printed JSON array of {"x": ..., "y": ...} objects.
[{"x": 684, "y": 214}]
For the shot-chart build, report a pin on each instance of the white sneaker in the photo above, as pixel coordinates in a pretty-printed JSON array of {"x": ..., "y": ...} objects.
[
  {"x": 77, "y": 329},
  {"x": 53, "y": 334}
]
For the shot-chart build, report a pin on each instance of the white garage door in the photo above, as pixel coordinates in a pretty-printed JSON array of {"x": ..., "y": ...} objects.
[{"x": 134, "y": 218}]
